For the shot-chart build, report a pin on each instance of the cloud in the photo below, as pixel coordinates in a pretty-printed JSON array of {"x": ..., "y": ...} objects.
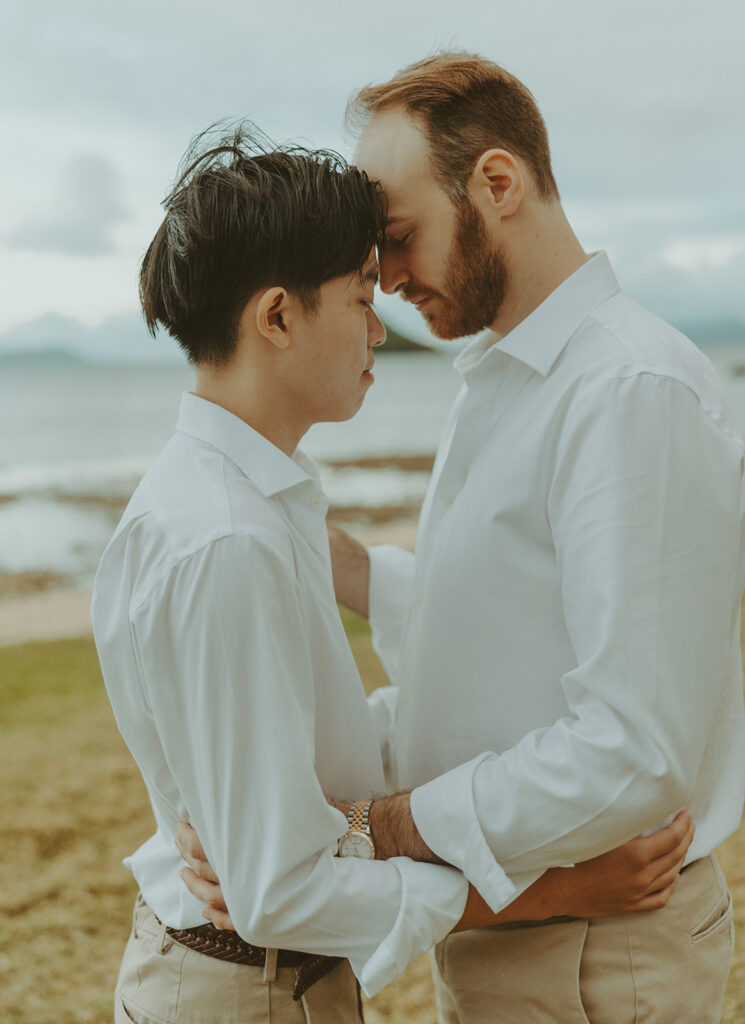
[
  {"x": 692, "y": 254},
  {"x": 82, "y": 217},
  {"x": 643, "y": 120}
]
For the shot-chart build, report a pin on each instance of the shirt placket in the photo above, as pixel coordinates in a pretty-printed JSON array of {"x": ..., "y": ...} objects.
[{"x": 486, "y": 400}]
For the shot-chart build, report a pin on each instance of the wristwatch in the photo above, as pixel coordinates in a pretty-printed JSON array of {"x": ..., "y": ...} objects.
[{"x": 357, "y": 841}]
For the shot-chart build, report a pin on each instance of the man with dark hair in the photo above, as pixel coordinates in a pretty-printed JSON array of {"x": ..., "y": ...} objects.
[
  {"x": 219, "y": 636},
  {"x": 214, "y": 614}
]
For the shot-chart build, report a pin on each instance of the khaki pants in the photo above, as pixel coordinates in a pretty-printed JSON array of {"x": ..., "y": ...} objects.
[
  {"x": 161, "y": 982},
  {"x": 666, "y": 966}
]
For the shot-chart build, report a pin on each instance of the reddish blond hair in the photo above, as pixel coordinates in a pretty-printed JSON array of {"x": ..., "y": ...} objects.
[{"x": 466, "y": 105}]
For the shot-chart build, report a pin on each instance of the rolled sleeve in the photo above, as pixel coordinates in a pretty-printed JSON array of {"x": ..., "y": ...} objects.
[
  {"x": 445, "y": 814},
  {"x": 433, "y": 899},
  {"x": 391, "y": 581}
]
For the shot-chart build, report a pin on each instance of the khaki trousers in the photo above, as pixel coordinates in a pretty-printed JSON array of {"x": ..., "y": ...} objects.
[
  {"x": 161, "y": 982},
  {"x": 666, "y": 966}
]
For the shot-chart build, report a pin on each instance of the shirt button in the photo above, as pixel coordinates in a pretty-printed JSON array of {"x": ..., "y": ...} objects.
[
  {"x": 315, "y": 500},
  {"x": 420, "y": 599},
  {"x": 404, "y": 699},
  {"x": 447, "y": 500}
]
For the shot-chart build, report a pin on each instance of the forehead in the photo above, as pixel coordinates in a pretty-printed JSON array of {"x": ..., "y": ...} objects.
[
  {"x": 365, "y": 278},
  {"x": 394, "y": 151}
]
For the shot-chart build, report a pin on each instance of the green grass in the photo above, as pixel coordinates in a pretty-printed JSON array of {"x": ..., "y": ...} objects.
[{"x": 73, "y": 805}]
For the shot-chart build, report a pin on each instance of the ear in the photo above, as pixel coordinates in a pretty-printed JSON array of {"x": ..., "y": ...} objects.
[
  {"x": 272, "y": 314},
  {"x": 499, "y": 182}
]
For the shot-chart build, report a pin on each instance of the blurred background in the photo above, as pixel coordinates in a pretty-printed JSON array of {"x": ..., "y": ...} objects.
[{"x": 645, "y": 106}]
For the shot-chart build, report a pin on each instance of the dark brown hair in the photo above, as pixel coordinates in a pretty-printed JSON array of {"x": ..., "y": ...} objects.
[
  {"x": 246, "y": 215},
  {"x": 466, "y": 105}
]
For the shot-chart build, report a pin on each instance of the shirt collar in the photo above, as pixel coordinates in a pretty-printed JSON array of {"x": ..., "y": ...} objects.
[
  {"x": 261, "y": 461},
  {"x": 540, "y": 338}
]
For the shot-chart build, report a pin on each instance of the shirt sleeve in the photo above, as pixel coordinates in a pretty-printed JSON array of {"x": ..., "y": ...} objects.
[
  {"x": 226, "y": 657},
  {"x": 391, "y": 581},
  {"x": 645, "y": 513},
  {"x": 383, "y": 704}
]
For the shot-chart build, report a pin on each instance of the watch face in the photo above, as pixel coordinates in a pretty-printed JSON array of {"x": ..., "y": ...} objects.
[{"x": 356, "y": 844}]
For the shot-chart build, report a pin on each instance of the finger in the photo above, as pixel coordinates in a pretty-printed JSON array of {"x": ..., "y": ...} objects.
[
  {"x": 205, "y": 891},
  {"x": 195, "y": 857},
  {"x": 204, "y": 870},
  {"x": 660, "y": 843},
  {"x": 190, "y": 847},
  {"x": 667, "y": 839},
  {"x": 677, "y": 854},
  {"x": 665, "y": 880},
  {"x": 184, "y": 838},
  {"x": 655, "y": 901},
  {"x": 219, "y": 918}
]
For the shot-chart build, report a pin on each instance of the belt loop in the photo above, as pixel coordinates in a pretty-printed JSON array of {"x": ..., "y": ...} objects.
[
  {"x": 270, "y": 966},
  {"x": 165, "y": 941}
]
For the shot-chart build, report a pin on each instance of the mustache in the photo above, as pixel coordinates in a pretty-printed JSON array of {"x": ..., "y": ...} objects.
[{"x": 415, "y": 293}]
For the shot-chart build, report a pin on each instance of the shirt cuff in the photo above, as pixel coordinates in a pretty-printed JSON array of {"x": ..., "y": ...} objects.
[
  {"x": 391, "y": 580},
  {"x": 433, "y": 899},
  {"x": 445, "y": 814}
]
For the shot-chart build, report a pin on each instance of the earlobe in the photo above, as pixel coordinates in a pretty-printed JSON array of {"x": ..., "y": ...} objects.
[{"x": 271, "y": 316}]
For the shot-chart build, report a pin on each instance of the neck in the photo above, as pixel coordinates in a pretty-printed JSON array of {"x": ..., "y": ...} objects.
[
  {"x": 544, "y": 254},
  {"x": 247, "y": 396}
]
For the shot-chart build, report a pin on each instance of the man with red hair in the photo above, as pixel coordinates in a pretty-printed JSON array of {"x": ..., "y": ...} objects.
[{"x": 566, "y": 640}]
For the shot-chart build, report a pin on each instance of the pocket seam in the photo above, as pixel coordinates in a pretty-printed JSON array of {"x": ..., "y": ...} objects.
[
  {"x": 141, "y": 1010},
  {"x": 723, "y": 919}
]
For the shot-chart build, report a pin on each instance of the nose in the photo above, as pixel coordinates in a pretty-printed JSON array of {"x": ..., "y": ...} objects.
[
  {"x": 375, "y": 329},
  {"x": 392, "y": 271}
]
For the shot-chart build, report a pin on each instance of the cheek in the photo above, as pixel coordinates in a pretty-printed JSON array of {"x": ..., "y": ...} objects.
[{"x": 429, "y": 265}]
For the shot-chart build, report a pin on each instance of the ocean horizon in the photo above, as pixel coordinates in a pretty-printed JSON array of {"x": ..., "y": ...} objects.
[{"x": 79, "y": 436}]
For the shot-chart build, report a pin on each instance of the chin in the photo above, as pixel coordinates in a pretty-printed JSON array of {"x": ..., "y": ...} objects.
[
  {"x": 452, "y": 329},
  {"x": 446, "y": 331}
]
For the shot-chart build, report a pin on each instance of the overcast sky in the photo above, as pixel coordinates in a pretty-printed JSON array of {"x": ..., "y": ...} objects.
[{"x": 644, "y": 101}]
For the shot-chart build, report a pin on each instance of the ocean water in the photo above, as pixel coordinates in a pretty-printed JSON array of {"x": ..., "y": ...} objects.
[{"x": 76, "y": 439}]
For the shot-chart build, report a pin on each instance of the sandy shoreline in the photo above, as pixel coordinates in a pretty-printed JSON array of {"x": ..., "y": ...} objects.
[{"x": 54, "y": 612}]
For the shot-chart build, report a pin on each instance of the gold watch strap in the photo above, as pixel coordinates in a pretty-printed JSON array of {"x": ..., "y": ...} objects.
[{"x": 358, "y": 816}]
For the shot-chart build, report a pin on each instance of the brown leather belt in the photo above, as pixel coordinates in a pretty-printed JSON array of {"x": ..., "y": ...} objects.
[{"x": 228, "y": 945}]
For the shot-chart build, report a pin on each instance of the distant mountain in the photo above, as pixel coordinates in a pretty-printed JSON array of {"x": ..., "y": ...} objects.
[
  {"x": 48, "y": 356},
  {"x": 118, "y": 340}
]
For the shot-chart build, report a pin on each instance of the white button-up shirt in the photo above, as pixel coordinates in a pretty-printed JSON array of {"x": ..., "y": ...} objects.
[
  {"x": 235, "y": 689},
  {"x": 567, "y": 637}
]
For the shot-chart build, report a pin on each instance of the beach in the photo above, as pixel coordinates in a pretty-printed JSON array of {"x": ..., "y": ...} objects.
[
  {"x": 73, "y": 804},
  {"x": 40, "y": 607}
]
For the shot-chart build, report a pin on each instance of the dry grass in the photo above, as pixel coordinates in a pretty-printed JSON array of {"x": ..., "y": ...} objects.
[{"x": 73, "y": 805}]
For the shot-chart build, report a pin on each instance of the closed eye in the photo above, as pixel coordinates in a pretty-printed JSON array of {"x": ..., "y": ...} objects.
[{"x": 399, "y": 243}]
